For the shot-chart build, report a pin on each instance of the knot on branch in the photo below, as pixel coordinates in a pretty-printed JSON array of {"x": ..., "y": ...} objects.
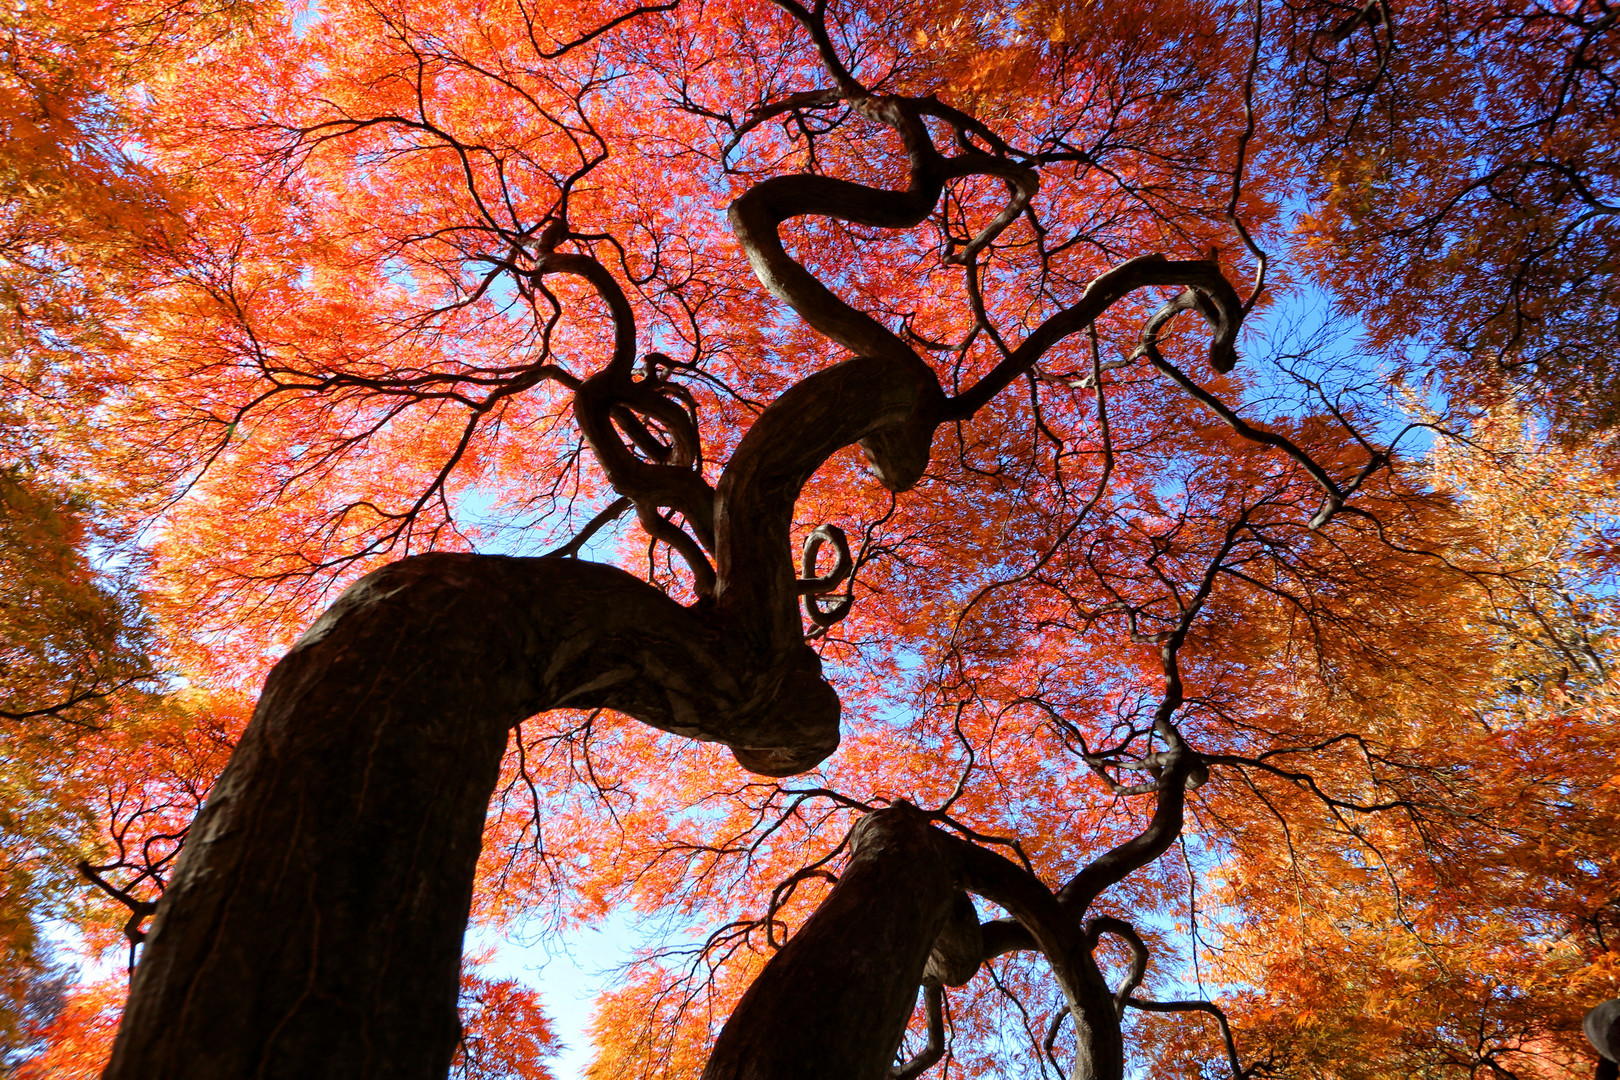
[
  {"x": 812, "y": 586},
  {"x": 644, "y": 433},
  {"x": 1178, "y": 764},
  {"x": 1219, "y": 309},
  {"x": 139, "y": 910},
  {"x": 659, "y": 417},
  {"x": 1125, "y": 932},
  {"x": 553, "y": 231},
  {"x": 960, "y": 946}
]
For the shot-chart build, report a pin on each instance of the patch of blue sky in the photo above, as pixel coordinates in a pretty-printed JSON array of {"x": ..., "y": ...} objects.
[
  {"x": 1305, "y": 351},
  {"x": 571, "y": 968},
  {"x": 506, "y": 530},
  {"x": 306, "y": 16},
  {"x": 398, "y": 271}
]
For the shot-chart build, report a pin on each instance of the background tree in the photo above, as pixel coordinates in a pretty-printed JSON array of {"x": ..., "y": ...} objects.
[
  {"x": 1189, "y": 676},
  {"x": 82, "y": 234}
]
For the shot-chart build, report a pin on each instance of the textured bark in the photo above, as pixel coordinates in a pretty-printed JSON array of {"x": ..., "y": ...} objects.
[
  {"x": 835, "y": 1000},
  {"x": 314, "y": 926}
]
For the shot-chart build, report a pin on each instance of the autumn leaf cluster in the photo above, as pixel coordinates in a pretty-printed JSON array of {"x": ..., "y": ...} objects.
[{"x": 261, "y": 332}]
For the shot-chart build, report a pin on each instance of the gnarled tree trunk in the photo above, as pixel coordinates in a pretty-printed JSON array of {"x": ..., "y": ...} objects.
[
  {"x": 314, "y": 925},
  {"x": 835, "y": 1000}
]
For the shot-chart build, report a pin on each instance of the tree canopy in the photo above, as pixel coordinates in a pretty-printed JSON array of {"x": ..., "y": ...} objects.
[{"x": 1064, "y": 539}]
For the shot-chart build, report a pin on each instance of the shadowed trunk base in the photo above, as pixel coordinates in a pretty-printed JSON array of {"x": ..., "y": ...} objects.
[{"x": 835, "y": 1000}]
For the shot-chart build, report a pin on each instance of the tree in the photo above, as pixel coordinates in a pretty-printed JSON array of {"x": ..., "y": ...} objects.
[
  {"x": 81, "y": 233},
  {"x": 70, "y": 640},
  {"x": 437, "y": 280}
]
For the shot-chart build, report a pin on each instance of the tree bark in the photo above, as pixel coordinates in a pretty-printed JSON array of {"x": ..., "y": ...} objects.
[
  {"x": 835, "y": 1000},
  {"x": 314, "y": 926}
]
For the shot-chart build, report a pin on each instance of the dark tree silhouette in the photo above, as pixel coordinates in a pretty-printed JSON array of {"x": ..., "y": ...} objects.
[{"x": 314, "y": 925}]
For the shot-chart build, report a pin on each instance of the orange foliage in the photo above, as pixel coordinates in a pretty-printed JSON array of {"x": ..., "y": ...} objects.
[
  {"x": 504, "y": 1033},
  {"x": 255, "y": 309},
  {"x": 79, "y": 1039}
]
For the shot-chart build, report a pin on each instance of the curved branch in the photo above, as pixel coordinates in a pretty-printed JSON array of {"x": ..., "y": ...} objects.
[
  {"x": 1207, "y": 1007},
  {"x": 929, "y": 1055},
  {"x": 605, "y": 517},
  {"x": 1162, "y": 830},
  {"x": 887, "y": 398},
  {"x": 959, "y": 949},
  {"x": 1220, "y": 306},
  {"x": 757, "y": 216},
  {"x": 353, "y": 807},
  {"x": 607, "y": 394},
  {"x": 813, "y": 586},
  {"x": 1335, "y": 496},
  {"x": 1107, "y": 924},
  {"x": 881, "y": 404},
  {"x": 1100, "y": 1048}
]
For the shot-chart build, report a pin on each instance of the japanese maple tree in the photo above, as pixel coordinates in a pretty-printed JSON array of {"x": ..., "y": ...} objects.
[{"x": 854, "y": 479}]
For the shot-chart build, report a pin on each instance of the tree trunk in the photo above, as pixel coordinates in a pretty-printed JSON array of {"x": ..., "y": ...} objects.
[
  {"x": 314, "y": 926},
  {"x": 834, "y": 1002}
]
